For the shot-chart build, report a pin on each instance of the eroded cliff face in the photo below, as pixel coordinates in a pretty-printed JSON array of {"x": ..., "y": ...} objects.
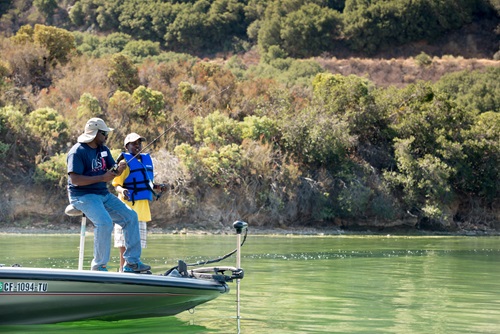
[
  {"x": 35, "y": 207},
  {"x": 26, "y": 206}
]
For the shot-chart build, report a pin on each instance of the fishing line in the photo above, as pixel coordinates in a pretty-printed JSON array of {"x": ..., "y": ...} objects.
[
  {"x": 114, "y": 169},
  {"x": 169, "y": 128}
]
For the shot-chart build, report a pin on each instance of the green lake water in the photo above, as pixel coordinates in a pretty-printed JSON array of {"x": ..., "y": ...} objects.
[{"x": 307, "y": 284}]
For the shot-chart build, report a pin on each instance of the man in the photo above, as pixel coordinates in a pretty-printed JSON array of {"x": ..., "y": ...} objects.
[
  {"x": 135, "y": 188},
  {"x": 90, "y": 167}
]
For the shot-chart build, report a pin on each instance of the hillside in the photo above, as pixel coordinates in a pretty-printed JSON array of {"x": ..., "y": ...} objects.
[
  {"x": 251, "y": 138},
  {"x": 469, "y": 48}
]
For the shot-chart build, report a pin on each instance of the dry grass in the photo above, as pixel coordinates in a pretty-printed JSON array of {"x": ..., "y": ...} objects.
[
  {"x": 469, "y": 48},
  {"x": 401, "y": 72}
]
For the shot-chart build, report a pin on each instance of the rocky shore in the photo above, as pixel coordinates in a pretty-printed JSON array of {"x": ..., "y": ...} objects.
[{"x": 298, "y": 231}]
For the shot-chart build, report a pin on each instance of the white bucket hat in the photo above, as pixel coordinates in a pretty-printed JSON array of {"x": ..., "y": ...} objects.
[
  {"x": 131, "y": 137},
  {"x": 91, "y": 128}
]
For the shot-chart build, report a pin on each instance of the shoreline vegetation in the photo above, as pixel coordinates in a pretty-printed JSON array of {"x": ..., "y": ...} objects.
[{"x": 289, "y": 116}]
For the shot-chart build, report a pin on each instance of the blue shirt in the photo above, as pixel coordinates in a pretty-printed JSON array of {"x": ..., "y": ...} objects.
[{"x": 85, "y": 160}]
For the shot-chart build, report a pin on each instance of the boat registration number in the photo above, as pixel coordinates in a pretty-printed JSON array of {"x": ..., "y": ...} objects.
[{"x": 24, "y": 286}]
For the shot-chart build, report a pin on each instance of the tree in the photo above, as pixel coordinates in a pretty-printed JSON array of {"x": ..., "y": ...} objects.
[
  {"x": 371, "y": 25},
  {"x": 123, "y": 74},
  {"x": 351, "y": 99},
  {"x": 59, "y": 42},
  {"x": 429, "y": 150},
  {"x": 310, "y": 30},
  {"x": 226, "y": 21},
  {"x": 190, "y": 30},
  {"x": 425, "y": 181},
  {"x": 480, "y": 175},
  {"x": 317, "y": 138},
  {"x": 269, "y": 33},
  {"x": 24, "y": 35},
  {"x": 135, "y": 18},
  {"x": 138, "y": 50},
  {"x": 77, "y": 14},
  {"x": 116, "y": 40},
  {"x": 46, "y": 7}
]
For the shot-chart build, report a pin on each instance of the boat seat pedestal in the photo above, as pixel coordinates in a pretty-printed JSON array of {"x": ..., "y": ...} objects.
[{"x": 74, "y": 212}]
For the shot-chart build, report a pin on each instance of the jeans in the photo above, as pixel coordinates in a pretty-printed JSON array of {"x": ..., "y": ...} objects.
[{"x": 103, "y": 211}]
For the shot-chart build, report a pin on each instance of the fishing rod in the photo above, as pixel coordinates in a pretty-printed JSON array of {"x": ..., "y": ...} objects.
[
  {"x": 121, "y": 157},
  {"x": 164, "y": 132},
  {"x": 151, "y": 187},
  {"x": 114, "y": 169}
]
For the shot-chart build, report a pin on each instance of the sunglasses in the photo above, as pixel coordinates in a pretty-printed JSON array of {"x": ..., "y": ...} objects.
[{"x": 104, "y": 133}]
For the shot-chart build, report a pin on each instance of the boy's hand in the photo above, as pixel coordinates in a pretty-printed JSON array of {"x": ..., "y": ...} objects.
[{"x": 126, "y": 194}]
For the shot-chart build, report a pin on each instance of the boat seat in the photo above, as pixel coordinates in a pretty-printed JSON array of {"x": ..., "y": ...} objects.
[{"x": 72, "y": 211}]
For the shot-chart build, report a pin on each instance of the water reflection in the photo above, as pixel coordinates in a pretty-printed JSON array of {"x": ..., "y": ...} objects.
[{"x": 344, "y": 284}]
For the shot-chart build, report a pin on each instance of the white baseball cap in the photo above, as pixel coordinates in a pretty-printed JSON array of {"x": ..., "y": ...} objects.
[{"x": 131, "y": 137}]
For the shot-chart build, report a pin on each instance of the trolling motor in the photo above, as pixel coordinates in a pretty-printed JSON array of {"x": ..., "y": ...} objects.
[
  {"x": 210, "y": 273},
  {"x": 214, "y": 273},
  {"x": 239, "y": 226}
]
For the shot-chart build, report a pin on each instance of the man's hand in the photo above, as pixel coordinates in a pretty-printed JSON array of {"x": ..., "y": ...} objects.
[
  {"x": 121, "y": 166},
  {"x": 163, "y": 187},
  {"x": 109, "y": 176},
  {"x": 118, "y": 169}
]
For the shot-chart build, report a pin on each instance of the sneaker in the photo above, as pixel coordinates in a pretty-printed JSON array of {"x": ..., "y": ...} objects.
[
  {"x": 100, "y": 268},
  {"x": 136, "y": 267}
]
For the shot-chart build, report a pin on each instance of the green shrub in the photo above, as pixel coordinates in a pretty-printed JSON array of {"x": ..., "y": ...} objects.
[
  {"x": 89, "y": 107},
  {"x": 3, "y": 149},
  {"x": 259, "y": 128},
  {"x": 423, "y": 59},
  {"x": 186, "y": 91},
  {"x": 354, "y": 199},
  {"x": 216, "y": 129},
  {"x": 139, "y": 50},
  {"x": 149, "y": 103},
  {"x": 472, "y": 90},
  {"x": 50, "y": 127},
  {"x": 52, "y": 172},
  {"x": 13, "y": 119},
  {"x": 212, "y": 166},
  {"x": 274, "y": 53}
]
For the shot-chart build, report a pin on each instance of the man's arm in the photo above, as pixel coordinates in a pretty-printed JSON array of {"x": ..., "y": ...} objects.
[{"x": 85, "y": 180}]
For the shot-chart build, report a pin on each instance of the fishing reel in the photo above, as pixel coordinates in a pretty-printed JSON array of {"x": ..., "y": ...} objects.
[
  {"x": 114, "y": 169},
  {"x": 163, "y": 186}
]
